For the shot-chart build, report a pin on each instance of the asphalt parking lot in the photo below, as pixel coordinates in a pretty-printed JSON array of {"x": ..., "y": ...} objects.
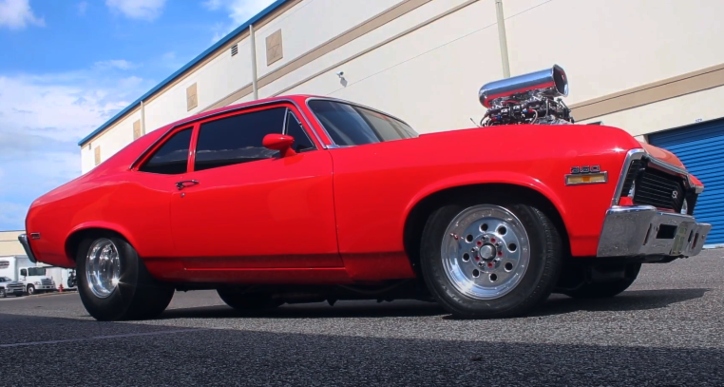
[{"x": 665, "y": 331}]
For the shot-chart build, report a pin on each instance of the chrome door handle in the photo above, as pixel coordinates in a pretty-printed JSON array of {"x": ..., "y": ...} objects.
[{"x": 184, "y": 183}]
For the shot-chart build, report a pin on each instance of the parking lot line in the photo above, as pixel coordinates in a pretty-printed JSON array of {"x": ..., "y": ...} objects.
[{"x": 106, "y": 337}]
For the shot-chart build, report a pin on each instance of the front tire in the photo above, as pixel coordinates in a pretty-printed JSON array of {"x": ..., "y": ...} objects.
[
  {"x": 114, "y": 284},
  {"x": 493, "y": 259}
]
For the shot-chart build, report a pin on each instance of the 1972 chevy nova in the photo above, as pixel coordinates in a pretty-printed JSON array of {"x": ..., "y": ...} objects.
[{"x": 306, "y": 198}]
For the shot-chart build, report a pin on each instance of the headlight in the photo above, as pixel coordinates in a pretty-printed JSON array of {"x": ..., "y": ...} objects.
[
  {"x": 37, "y": 283},
  {"x": 685, "y": 207}
]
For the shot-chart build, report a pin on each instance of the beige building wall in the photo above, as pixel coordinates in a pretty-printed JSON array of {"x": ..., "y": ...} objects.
[
  {"x": 110, "y": 141},
  {"x": 630, "y": 52},
  {"x": 643, "y": 65},
  {"x": 9, "y": 244},
  {"x": 419, "y": 66},
  {"x": 670, "y": 113},
  {"x": 308, "y": 25}
]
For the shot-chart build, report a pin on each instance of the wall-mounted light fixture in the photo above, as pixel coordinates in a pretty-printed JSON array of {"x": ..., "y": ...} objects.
[{"x": 342, "y": 79}]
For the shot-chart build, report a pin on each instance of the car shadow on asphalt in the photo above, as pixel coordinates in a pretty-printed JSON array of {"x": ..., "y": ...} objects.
[
  {"x": 629, "y": 301},
  {"x": 119, "y": 354},
  {"x": 342, "y": 309}
]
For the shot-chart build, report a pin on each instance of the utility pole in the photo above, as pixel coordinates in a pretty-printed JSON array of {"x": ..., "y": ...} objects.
[
  {"x": 253, "y": 62},
  {"x": 502, "y": 38}
]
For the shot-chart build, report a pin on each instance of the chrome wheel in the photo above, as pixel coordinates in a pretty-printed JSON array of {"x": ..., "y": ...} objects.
[
  {"x": 103, "y": 267},
  {"x": 486, "y": 252}
]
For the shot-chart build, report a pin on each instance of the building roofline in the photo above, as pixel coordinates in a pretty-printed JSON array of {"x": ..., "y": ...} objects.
[{"x": 266, "y": 11}]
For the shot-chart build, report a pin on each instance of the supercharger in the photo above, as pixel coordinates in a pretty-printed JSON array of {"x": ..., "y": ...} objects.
[{"x": 532, "y": 98}]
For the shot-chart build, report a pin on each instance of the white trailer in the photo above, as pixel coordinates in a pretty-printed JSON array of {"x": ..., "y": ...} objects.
[{"x": 62, "y": 277}]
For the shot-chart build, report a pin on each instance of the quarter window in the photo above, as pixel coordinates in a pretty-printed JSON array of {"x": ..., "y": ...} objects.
[
  {"x": 172, "y": 157},
  {"x": 354, "y": 125}
]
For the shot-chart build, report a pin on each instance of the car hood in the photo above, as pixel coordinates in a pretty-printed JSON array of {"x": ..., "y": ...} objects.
[
  {"x": 669, "y": 158},
  {"x": 662, "y": 155}
]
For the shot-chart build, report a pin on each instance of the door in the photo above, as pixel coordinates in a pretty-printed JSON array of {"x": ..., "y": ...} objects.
[
  {"x": 148, "y": 193},
  {"x": 244, "y": 206}
]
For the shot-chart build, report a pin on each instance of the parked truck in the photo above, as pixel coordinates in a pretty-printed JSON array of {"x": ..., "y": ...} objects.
[
  {"x": 8, "y": 286},
  {"x": 34, "y": 277}
]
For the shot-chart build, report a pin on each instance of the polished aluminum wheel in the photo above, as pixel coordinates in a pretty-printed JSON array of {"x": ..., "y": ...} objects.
[
  {"x": 103, "y": 267},
  {"x": 486, "y": 252}
]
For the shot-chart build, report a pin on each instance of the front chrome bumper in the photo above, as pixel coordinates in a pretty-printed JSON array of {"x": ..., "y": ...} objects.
[
  {"x": 645, "y": 231},
  {"x": 15, "y": 290},
  {"x": 23, "y": 238},
  {"x": 44, "y": 287}
]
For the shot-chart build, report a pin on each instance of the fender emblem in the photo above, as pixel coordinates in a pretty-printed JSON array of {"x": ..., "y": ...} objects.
[
  {"x": 585, "y": 169},
  {"x": 586, "y": 174}
]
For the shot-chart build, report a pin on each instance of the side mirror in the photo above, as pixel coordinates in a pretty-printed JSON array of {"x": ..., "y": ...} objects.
[
  {"x": 280, "y": 142},
  {"x": 23, "y": 272}
]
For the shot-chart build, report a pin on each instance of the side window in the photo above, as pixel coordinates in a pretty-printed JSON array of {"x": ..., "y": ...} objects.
[
  {"x": 172, "y": 157},
  {"x": 237, "y": 139},
  {"x": 294, "y": 128}
]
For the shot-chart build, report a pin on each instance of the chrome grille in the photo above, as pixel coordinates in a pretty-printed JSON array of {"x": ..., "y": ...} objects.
[{"x": 658, "y": 188}]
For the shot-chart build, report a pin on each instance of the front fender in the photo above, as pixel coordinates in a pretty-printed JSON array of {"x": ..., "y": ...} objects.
[{"x": 489, "y": 177}]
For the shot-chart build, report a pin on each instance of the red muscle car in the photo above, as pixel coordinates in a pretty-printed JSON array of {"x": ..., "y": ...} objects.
[{"x": 306, "y": 198}]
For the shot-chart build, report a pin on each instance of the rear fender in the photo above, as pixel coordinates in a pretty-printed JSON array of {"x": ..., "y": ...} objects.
[{"x": 101, "y": 225}]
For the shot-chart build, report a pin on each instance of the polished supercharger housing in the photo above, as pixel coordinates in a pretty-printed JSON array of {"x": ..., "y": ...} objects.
[{"x": 528, "y": 98}]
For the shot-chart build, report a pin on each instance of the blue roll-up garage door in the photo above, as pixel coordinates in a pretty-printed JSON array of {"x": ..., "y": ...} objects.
[{"x": 701, "y": 148}]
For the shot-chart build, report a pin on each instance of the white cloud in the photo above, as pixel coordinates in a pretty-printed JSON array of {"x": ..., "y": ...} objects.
[
  {"x": 12, "y": 214},
  {"x": 82, "y": 7},
  {"x": 239, "y": 11},
  {"x": 39, "y": 106},
  {"x": 120, "y": 64},
  {"x": 17, "y": 14},
  {"x": 42, "y": 117},
  {"x": 137, "y": 9}
]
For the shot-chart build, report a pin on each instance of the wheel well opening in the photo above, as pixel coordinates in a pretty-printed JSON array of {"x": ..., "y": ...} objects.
[
  {"x": 73, "y": 242},
  {"x": 417, "y": 218}
]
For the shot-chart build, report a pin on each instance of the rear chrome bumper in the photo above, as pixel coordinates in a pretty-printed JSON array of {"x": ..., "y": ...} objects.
[
  {"x": 644, "y": 230},
  {"x": 23, "y": 238}
]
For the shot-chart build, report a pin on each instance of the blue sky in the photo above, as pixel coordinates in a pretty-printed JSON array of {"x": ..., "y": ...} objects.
[{"x": 67, "y": 66}]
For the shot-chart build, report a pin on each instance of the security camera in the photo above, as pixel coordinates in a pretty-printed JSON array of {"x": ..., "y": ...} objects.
[{"x": 340, "y": 74}]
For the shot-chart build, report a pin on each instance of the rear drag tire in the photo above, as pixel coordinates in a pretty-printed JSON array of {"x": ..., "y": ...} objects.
[{"x": 136, "y": 296}]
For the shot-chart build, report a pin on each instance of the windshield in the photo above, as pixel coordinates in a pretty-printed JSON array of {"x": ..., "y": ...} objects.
[
  {"x": 36, "y": 271},
  {"x": 353, "y": 125}
]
